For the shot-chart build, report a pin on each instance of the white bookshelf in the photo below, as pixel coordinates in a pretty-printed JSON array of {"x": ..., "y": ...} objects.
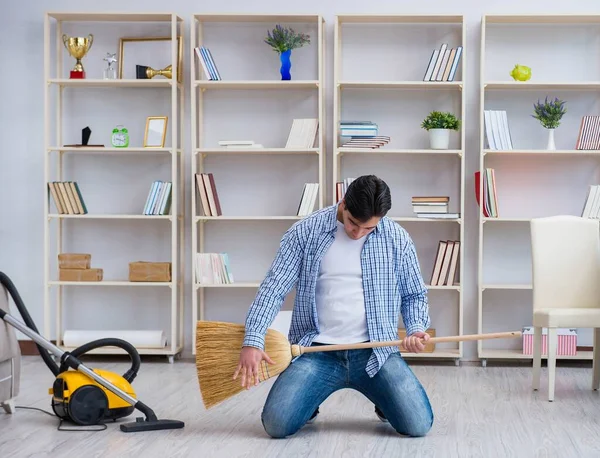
[
  {"x": 114, "y": 182},
  {"x": 531, "y": 181},
  {"x": 259, "y": 189},
  {"x": 379, "y": 67}
]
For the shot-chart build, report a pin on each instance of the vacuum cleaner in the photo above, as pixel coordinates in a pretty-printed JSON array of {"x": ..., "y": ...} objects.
[{"x": 82, "y": 395}]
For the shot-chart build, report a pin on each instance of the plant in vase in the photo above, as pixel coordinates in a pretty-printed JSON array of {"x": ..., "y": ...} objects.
[
  {"x": 439, "y": 124},
  {"x": 283, "y": 40},
  {"x": 549, "y": 114}
]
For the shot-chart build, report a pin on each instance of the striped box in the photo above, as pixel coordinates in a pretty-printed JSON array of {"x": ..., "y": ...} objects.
[{"x": 567, "y": 341}]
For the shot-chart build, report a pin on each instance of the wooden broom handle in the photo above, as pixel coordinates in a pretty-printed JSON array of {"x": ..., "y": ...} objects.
[{"x": 298, "y": 350}]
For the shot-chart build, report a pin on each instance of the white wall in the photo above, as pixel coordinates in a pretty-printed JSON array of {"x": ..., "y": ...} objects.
[{"x": 114, "y": 244}]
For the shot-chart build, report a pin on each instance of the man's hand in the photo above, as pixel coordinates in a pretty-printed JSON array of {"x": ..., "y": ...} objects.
[
  {"x": 250, "y": 358},
  {"x": 415, "y": 342}
]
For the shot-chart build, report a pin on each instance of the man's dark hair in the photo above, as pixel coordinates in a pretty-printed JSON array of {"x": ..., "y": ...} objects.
[{"x": 368, "y": 196}]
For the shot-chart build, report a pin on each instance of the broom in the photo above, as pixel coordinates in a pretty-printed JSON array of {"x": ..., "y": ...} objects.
[{"x": 218, "y": 346}]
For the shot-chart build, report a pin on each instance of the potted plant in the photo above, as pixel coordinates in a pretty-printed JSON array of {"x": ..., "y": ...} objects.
[
  {"x": 439, "y": 124},
  {"x": 549, "y": 114},
  {"x": 283, "y": 40}
]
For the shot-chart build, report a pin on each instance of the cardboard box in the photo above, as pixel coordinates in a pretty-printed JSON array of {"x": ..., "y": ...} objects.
[
  {"x": 567, "y": 341},
  {"x": 150, "y": 271},
  {"x": 429, "y": 347},
  {"x": 80, "y": 274},
  {"x": 74, "y": 261}
]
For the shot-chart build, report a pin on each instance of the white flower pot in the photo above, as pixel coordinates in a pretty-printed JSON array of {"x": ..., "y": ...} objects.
[
  {"x": 551, "y": 145},
  {"x": 439, "y": 138}
]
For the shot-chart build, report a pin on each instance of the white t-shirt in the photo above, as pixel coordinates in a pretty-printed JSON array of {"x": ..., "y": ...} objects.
[{"x": 339, "y": 292}]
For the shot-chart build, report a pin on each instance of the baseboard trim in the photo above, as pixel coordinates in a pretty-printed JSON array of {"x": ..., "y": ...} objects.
[{"x": 29, "y": 347}]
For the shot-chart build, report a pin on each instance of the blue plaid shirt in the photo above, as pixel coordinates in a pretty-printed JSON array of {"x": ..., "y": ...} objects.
[{"x": 392, "y": 284}]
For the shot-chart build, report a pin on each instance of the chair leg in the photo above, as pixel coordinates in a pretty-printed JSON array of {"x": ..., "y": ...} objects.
[
  {"x": 552, "y": 344},
  {"x": 9, "y": 406},
  {"x": 537, "y": 357},
  {"x": 596, "y": 361}
]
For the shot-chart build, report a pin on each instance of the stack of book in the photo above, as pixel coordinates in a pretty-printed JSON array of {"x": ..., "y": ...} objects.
[
  {"x": 490, "y": 198},
  {"x": 303, "y": 133},
  {"x": 309, "y": 199},
  {"x": 341, "y": 187},
  {"x": 591, "y": 208},
  {"x": 589, "y": 133},
  {"x": 209, "y": 199},
  {"x": 446, "y": 262},
  {"x": 361, "y": 134},
  {"x": 432, "y": 207},
  {"x": 497, "y": 132},
  {"x": 67, "y": 198},
  {"x": 358, "y": 129},
  {"x": 443, "y": 63},
  {"x": 213, "y": 269},
  {"x": 239, "y": 144},
  {"x": 159, "y": 198},
  {"x": 208, "y": 64}
]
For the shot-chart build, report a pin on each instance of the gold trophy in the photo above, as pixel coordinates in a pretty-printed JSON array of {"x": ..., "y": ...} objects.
[
  {"x": 144, "y": 72},
  {"x": 78, "y": 47}
]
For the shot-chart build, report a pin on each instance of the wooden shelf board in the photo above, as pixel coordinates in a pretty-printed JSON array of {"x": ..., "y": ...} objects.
[
  {"x": 119, "y": 351},
  {"x": 257, "y": 84},
  {"x": 231, "y": 285},
  {"x": 247, "y": 218},
  {"x": 506, "y": 286},
  {"x": 400, "y": 84},
  {"x": 539, "y": 85},
  {"x": 399, "y": 19},
  {"x": 343, "y": 150},
  {"x": 108, "y": 283},
  {"x": 507, "y": 220},
  {"x": 441, "y": 353},
  {"x": 544, "y": 152},
  {"x": 541, "y": 19},
  {"x": 109, "y": 150},
  {"x": 113, "y": 17},
  {"x": 91, "y": 82},
  {"x": 414, "y": 219},
  {"x": 241, "y": 151},
  {"x": 517, "y": 354},
  {"x": 444, "y": 287},
  {"x": 233, "y": 17},
  {"x": 107, "y": 216}
]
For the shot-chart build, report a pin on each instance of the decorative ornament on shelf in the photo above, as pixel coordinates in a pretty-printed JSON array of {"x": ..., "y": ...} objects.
[
  {"x": 110, "y": 72},
  {"x": 283, "y": 40},
  {"x": 521, "y": 73},
  {"x": 549, "y": 114},
  {"x": 120, "y": 137},
  {"x": 78, "y": 47},
  {"x": 143, "y": 72},
  {"x": 439, "y": 124}
]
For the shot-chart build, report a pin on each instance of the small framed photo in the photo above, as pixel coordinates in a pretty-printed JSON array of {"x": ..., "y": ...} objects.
[
  {"x": 150, "y": 52},
  {"x": 156, "y": 132}
]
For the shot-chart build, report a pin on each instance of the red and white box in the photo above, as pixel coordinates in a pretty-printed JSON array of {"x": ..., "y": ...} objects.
[{"x": 567, "y": 341}]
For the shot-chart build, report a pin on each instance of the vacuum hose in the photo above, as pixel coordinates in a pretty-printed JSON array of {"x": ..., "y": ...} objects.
[{"x": 46, "y": 355}]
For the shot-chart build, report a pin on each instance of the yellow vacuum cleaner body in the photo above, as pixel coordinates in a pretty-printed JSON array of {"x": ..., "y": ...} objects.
[{"x": 80, "y": 399}]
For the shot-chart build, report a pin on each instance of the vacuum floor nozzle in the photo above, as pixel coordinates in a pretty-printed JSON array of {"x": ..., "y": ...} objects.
[{"x": 150, "y": 425}]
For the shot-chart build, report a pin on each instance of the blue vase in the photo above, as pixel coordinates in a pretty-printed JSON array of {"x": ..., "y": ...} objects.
[{"x": 286, "y": 65}]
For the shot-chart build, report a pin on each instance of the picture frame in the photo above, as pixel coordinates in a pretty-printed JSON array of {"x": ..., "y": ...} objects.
[
  {"x": 155, "y": 132},
  {"x": 152, "y": 52}
]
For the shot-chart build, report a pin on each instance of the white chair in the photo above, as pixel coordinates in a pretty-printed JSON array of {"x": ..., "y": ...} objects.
[{"x": 565, "y": 254}]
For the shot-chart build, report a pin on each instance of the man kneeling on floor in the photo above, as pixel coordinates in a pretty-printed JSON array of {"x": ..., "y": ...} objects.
[{"x": 355, "y": 270}]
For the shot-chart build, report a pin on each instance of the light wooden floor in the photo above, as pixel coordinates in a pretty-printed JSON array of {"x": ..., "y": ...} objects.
[{"x": 479, "y": 412}]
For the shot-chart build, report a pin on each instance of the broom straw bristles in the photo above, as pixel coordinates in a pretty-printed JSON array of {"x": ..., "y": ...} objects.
[{"x": 218, "y": 347}]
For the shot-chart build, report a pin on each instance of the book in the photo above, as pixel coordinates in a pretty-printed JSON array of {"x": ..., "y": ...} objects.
[
  {"x": 209, "y": 198},
  {"x": 67, "y": 198}
]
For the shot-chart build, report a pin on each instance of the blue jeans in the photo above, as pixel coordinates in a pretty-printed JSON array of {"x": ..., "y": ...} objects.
[{"x": 308, "y": 381}]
